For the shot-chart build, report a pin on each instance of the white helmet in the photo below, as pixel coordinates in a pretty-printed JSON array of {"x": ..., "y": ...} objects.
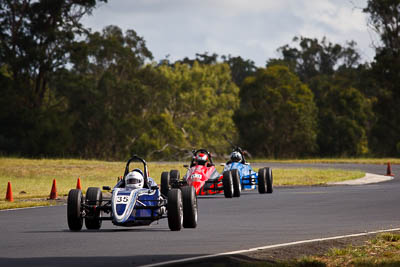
[
  {"x": 134, "y": 179},
  {"x": 236, "y": 156}
]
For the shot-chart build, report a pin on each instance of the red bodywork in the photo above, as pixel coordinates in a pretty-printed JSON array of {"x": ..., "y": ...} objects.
[{"x": 199, "y": 176}]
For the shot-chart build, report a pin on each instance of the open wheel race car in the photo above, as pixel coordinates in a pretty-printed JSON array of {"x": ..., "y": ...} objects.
[
  {"x": 132, "y": 206},
  {"x": 239, "y": 169},
  {"x": 202, "y": 176}
]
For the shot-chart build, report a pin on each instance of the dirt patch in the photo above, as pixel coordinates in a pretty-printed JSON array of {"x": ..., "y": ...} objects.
[{"x": 276, "y": 255}]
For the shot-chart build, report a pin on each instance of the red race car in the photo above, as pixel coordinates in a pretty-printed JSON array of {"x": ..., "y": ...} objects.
[{"x": 201, "y": 174}]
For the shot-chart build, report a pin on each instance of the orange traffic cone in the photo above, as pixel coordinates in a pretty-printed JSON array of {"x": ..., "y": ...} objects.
[
  {"x": 389, "y": 170},
  {"x": 53, "y": 193},
  {"x": 78, "y": 184},
  {"x": 9, "y": 195}
]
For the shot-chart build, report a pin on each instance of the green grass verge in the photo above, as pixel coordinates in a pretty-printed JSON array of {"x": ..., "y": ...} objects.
[
  {"x": 381, "y": 161},
  {"x": 32, "y": 179},
  {"x": 384, "y": 250},
  {"x": 308, "y": 176},
  {"x": 27, "y": 203}
]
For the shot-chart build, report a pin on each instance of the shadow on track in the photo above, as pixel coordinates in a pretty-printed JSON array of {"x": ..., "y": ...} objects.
[
  {"x": 83, "y": 231},
  {"x": 91, "y": 261}
]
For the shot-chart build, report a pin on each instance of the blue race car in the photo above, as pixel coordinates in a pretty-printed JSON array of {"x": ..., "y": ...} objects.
[
  {"x": 237, "y": 172},
  {"x": 136, "y": 200}
]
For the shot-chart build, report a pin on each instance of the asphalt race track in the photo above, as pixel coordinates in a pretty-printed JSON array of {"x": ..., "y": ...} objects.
[{"x": 40, "y": 236}]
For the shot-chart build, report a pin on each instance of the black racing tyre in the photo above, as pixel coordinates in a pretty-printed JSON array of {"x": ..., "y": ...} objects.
[
  {"x": 165, "y": 183},
  {"x": 227, "y": 184},
  {"x": 269, "y": 179},
  {"x": 237, "y": 188},
  {"x": 262, "y": 181},
  {"x": 174, "y": 176},
  {"x": 74, "y": 203},
  {"x": 175, "y": 209},
  {"x": 94, "y": 197},
  {"x": 189, "y": 199}
]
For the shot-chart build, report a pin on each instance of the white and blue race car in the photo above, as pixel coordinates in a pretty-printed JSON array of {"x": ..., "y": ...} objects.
[
  {"x": 245, "y": 178},
  {"x": 132, "y": 207}
]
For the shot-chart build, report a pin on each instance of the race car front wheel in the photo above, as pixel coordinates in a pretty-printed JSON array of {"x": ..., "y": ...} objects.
[
  {"x": 265, "y": 180},
  {"x": 236, "y": 183},
  {"x": 189, "y": 207},
  {"x": 94, "y": 198},
  {"x": 227, "y": 184},
  {"x": 175, "y": 209},
  {"x": 74, "y": 216}
]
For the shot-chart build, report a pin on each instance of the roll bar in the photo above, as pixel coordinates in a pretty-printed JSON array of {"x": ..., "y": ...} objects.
[{"x": 145, "y": 171}]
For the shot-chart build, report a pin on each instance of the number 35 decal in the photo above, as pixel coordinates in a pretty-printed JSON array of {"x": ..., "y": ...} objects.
[{"x": 122, "y": 199}]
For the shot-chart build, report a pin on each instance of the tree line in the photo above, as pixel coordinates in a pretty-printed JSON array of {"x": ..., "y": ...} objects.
[{"x": 69, "y": 92}]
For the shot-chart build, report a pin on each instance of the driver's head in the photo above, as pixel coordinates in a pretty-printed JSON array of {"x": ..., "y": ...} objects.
[
  {"x": 201, "y": 158},
  {"x": 134, "y": 179},
  {"x": 236, "y": 156}
]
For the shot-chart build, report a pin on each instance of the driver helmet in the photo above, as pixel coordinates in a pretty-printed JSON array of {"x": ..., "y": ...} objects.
[
  {"x": 134, "y": 179},
  {"x": 236, "y": 156},
  {"x": 201, "y": 158}
]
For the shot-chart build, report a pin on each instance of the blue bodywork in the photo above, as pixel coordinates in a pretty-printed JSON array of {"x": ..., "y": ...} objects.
[
  {"x": 248, "y": 177},
  {"x": 132, "y": 207}
]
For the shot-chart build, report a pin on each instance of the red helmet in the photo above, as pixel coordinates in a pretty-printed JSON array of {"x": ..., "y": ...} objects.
[{"x": 201, "y": 158}]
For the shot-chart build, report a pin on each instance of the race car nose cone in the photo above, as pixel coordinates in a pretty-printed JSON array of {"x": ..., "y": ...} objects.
[{"x": 197, "y": 186}]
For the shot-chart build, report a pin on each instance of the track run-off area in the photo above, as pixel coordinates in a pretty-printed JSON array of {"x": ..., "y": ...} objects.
[{"x": 40, "y": 236}]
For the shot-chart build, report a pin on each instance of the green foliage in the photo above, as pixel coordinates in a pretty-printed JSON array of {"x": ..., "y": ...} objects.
[
  {"x": 384, "y": 18},
  {"x": 277, "y": 115},
  {"x": 201, "y": 104},
  {"x": 120, "y": 106},
  {"x": 314, "y": 57},
  {"x": 67, "y": 91},
  {"x": 240, "y": 68},
  {"x": 390, "y": 237},
  {"x": 108, "y": 92},
  {"x": 345, "y": 118},
  {"x": 332, "y": 72},
  {"x": 34, "y": 39}
]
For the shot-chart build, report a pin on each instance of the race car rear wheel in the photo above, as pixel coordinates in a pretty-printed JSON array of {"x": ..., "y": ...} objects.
[
  {"x": 74, "y": 216},
  {"x": 165, "y": 183},
  {"x": 174, "y": 176},
  {"x": 269, "y": 179},
  {"x": 189, "y": 207},
  {"x": 262, "y": 181},
  {"x": 227, "y": 184},
  {"x": 175, "y": 209},
  {"x": 236, "y": 183},
  {"x": 94, "y": 198}
]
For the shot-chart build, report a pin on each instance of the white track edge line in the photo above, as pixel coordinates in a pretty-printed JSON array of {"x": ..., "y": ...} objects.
[{"x": 268, "y": 247}]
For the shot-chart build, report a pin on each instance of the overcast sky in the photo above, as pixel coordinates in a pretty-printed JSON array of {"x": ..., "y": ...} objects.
[{"x": 252, "y": 29}]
